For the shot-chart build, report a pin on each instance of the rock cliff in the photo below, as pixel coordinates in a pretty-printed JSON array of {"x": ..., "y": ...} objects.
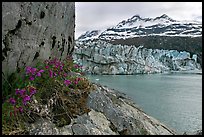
[
  {"x": 100, "y": 57},
  {"x": 31, "y": 32}
]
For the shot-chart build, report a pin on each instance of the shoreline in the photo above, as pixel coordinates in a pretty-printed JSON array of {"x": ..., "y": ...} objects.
[
  {"x": 199, "y": 72},
  {"x": 130, "y": 100}
]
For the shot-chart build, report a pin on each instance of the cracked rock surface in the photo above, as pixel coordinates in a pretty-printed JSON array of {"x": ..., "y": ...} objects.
[{"x": 32, "y": 31}]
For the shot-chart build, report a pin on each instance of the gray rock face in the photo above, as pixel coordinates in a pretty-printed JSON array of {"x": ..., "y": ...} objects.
[
  {"x": 35, "y": 30},
  {"x": 111, "y": 113},
  {"x": 100, "y": 57}
]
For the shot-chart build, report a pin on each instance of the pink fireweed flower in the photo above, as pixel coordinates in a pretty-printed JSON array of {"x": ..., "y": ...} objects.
[
  {"x": 32, "y": 91},
  {"x": 21, "y": 92},
  {"x": 65, "y": 74},
  {"x": 12, "y": 101},
  {"x": 31, "y": 78},
  {"x": 67, "y": 82},
  {"x": 55, "y": 74},
  {"x": 39, "y": 72},
  {"x": 26, "y": 99},
  {"x": 50, "y": 73},
  {"x": 57, "y": 64},
  {"x": 61, "y": 68},
  {"x": 28, "y": 70},
  {"x": 33, "y": 70},
  {"x": 46, "y": 67},
  {"x": 17, "y": 91}
]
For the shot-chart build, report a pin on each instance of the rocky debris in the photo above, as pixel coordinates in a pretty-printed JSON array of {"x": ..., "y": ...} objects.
[
  {"x": 110, "y": 113},
  {"x": 100, "y": 57},
  {"x": 33, "y": 31}
]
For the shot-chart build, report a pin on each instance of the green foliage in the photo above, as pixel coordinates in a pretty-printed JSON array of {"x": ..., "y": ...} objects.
[{"x": 13, "y": 81}]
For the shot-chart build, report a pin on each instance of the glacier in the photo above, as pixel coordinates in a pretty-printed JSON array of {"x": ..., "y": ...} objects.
[{"x": 101, "y": 57}]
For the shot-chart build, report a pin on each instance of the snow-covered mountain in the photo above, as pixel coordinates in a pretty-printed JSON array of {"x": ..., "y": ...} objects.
[
  {"x": 140, "y": 27},
  {"x": 90, "y": 35}
]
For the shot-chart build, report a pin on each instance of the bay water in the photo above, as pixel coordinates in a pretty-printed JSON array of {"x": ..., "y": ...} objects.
[{"x": 175, "y": 99}]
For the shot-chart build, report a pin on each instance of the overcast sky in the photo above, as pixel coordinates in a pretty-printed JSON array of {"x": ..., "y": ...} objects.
[{"x": 102, "y": 15}]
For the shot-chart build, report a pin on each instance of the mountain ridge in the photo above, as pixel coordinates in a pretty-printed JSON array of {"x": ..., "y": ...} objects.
[{"x": 136, "y": 26}]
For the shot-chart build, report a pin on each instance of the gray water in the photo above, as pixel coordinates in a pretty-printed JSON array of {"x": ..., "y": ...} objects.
[{"x": 175, "y": 99}]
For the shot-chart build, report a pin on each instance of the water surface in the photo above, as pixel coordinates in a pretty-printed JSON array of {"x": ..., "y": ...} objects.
[{"x": 174, "y": 98}]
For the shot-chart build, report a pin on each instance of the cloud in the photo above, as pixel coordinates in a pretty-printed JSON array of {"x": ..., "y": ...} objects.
[{"x": 101, "y": 15}]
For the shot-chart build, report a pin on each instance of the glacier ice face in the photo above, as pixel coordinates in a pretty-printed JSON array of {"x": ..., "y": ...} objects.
[{"x": 100, "y": 57}]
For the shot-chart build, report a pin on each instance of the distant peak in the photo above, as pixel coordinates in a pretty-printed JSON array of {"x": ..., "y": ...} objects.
[
  {"x": 136, "y": 17},
  {"x": 89, "y": 34},
  {"x": 164, "y": 16}
]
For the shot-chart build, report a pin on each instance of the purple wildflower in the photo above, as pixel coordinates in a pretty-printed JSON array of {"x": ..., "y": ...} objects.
[
  {"x": 25, "y": 99},
  {"x": 32, "y": 91},
  {"x": 67, "y": 82},
  {"x": 39, "y": 72},
  {"x": 28, "y": 70},
  {"x": 12, "y": 101},
  {"x": 46, "y": 67},
  {"x": 31, "y": 78},
  {"x": 51, "y": 73},
  {"x": 57, "y": 64},
  {"x": 65, "y": 74},
  {"x": 33, "y": 70},
  {"x": 21, "y": 92},
  {"x": 61, "y": 68},
  {"x": 55, "y": 74},
  {"x": 17, "y": 91}
]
